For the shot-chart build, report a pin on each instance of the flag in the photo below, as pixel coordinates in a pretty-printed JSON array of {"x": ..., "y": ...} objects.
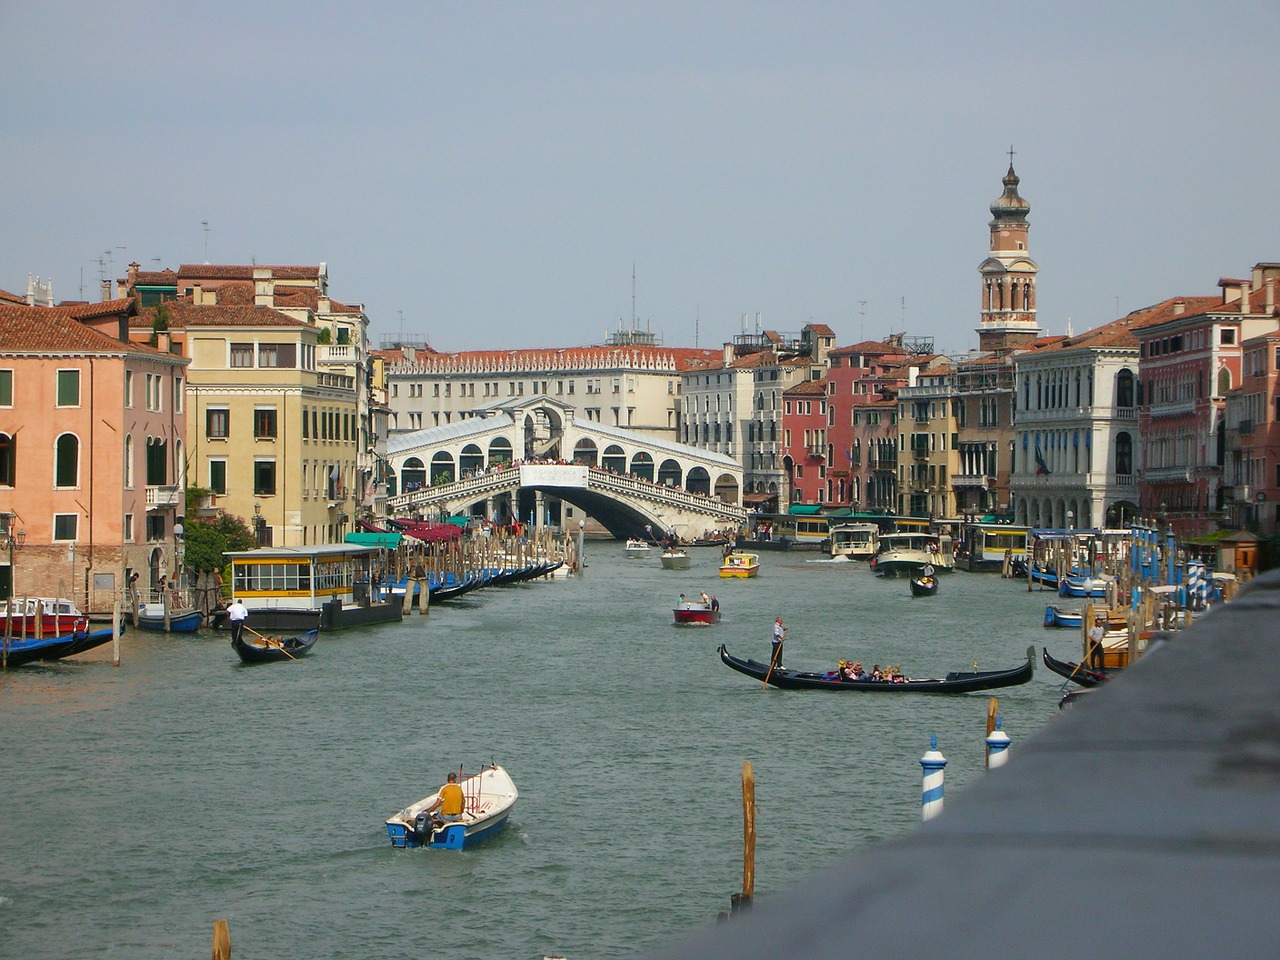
[{"x": 1042, "y": 468}]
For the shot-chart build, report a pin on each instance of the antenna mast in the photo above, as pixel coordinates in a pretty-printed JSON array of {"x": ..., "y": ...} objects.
[{"x": 205, "y": 225}]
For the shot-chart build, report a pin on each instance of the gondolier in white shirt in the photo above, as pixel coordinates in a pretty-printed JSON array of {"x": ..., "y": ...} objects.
[
  {"x": 779, "y": 637},
  {"x": 237, "y": 613}
]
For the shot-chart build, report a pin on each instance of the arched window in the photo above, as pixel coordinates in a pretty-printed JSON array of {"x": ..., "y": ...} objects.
[
  {"x": 128, "y": 460},
  {"x": 66, "y": 469},
  {"x": 8, "y": 453},
  {"x": 1124, "y": 454},
  {"x": 1224, "y": 382},
  {"x": 413, "y": 475},
  {"x": 1125, "y": 395}
]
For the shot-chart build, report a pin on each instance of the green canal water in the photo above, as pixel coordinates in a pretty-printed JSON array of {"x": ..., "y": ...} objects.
[{"x": 144, "y": 802}]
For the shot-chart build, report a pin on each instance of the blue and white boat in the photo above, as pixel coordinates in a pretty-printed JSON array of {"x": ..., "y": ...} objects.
[
  {"x": 1068, "y": 619},
  {"x": 488, "y": 798},
  {"x": 1082, "y": 587},
  {"x": 181, "y": 619}
]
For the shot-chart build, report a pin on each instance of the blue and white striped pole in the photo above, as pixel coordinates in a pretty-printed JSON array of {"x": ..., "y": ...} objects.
[
  {"x": 997, "y": 747},
  {"x": 932, "y": 763}
]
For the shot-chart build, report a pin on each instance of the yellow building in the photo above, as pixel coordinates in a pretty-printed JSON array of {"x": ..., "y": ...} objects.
[
  {"x": 270, "y": 433},
  {"x": 928, "y": 444}
]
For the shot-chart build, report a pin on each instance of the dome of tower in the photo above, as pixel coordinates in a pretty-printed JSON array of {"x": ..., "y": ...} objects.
[{"x": 1010, "y": 207}]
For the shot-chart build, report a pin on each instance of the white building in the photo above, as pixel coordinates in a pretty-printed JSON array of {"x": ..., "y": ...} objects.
[{"x": 1076, "y": 429}]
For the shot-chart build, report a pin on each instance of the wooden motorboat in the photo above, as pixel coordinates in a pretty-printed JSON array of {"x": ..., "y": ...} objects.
[
  {"x": 40, "y": 617},
  {"x": 674, "y": 558},
  {"x": 1075, "y": 672},
  {"x": 954, "y": 682},
  {"x": 740, "y": 565},
  {"x": 14, "y": 652},
  {"x": 1055, "y": 616},
  {"x": 488, "y": 799},
  {"x": 694, "y": 613},
  {"x": 1082, "y": 587},
  {"x": 636, "y": 549},
  {"x": 911, "y": 552},
  {"x": 181, "y": 619},
  {"x": 254, "y": 648}
]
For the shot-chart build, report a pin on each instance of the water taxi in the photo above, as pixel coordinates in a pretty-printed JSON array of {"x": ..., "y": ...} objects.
[
  {"x": 910, "y": 553},
  {"x": 635, "y": 549},
  {"x": 989, "y": 546},
  {"x": 675, "y": 559},
  {"x": 857, "y": 541},
  {"x": 740, "y": 565}
]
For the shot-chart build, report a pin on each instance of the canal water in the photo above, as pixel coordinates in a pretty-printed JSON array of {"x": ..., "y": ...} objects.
[{"x": 142, "y": 803}]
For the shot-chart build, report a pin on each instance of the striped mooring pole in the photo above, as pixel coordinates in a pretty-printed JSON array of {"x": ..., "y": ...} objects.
[
  {"x": 997, "y": 747},
  {"x": 932, "y": 763}
]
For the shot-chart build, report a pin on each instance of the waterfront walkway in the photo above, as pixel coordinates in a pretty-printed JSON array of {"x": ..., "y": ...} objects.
[{"x": 1143, "y": 823}]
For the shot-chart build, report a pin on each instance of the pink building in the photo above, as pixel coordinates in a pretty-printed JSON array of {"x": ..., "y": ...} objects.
[
  {"x": 1252, "y": 478},
  {"x": 1190, "y": 358},
  {"x": 804, "y": 445},
  {"x": 91, "y": 449}
]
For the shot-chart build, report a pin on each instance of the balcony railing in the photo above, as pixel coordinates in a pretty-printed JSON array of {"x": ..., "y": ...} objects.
[
  {"x": 970, "y": 480},
  {"x": 163, "y": 496},
  {"x": 1167, "y": 475}
]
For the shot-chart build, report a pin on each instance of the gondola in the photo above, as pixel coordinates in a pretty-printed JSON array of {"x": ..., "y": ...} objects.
[
  {"x": 1075, "y": 672},
  {"x": 16, "y": 652},
  {"x": 256, "y": 649},
  {"x": 954, "y": 682},
  {"x": 925, "y": 585}
]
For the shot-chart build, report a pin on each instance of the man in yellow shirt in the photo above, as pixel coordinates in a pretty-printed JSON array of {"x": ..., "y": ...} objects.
[{"x": 449, "y": 801}]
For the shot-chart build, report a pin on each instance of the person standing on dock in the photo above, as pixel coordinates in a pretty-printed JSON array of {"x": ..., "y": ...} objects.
[{"x": 779, "y": 637}]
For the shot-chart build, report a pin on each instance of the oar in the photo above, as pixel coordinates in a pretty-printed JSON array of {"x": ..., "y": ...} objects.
[
  {"x": 772, "y": 661},
  {"x": 271, "y": 642}
]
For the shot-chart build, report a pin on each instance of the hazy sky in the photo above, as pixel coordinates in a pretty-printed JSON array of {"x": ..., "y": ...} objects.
[{"x": 485, "y": 175}]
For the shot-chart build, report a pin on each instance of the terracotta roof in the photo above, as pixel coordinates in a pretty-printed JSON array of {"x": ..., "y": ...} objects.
[
  {"x": 1165, "y": 310},
  {"x": 12, "y": 299},
  {"x": 84, "y": 311},
  {"x": 182, "y": 314},
  {"x": 155, "y": 278},
  {"x": 224, "y": 271},
  {"x": 1116, "y": 334},
  {"x": 807, "y": 388},
  {"x": 821, "y": 329},
  {"x": 871, "y": 348},
  {"x": 675, "y": 359},
  {"x": 57, "y": 330}
]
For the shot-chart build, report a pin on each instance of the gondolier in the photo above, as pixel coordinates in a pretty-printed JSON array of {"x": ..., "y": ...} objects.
[
  {"x": 237, "y": 613},
  {"x": 779, "y": 638}
]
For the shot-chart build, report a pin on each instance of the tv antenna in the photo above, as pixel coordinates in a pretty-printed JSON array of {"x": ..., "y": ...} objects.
[
  {"x": 862, "y": 317},
  {"x": 205, "y": 225}
]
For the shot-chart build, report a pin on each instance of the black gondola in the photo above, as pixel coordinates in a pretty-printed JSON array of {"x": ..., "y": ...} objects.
[
  {"x": 954, "y": 682},
  {"x": 257, "y": 649},
  {"x": 1076, "y": 672},
  {"x": 924, "y": 586}
]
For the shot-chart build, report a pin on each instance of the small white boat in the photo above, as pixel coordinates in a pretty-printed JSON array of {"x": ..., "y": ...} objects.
[
  {"x": 675, "y": 559},
  {"x": 488, "y": 798},
  {"x": 636, "y": 549}
]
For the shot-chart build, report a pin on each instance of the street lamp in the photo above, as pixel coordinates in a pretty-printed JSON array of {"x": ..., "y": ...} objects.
[
  {"x": 259, "y": 523},
  {"x": 12, "y": 540},
  {"x": 1071, "y": 518}
]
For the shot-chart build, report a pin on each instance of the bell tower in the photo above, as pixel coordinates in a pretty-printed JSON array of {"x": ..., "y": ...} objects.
[{"x": 1008, "y": 275}]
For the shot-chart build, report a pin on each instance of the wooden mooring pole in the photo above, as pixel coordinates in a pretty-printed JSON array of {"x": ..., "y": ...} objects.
[
  {"x": 221, "y": 940},
  {"x": 742, "y": 901}
]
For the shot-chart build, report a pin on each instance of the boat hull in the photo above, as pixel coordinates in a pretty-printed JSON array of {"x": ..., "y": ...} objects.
[
  {"x": 1062, "y": 619},
  {"x": 923, "y": 586},
  {"x": 331, "y": 616},
  {"x": 180, "y": 622},
  {"x": 1076, "y": 673},
  {"x": 489, "y": 798},
  {"x": 679, "y": 561},
  {"x": 954, "y": 682},
  {"x": 253, "y": 650},
  {"x": 15, "y": 653},
  {"x": 694, "y": 616}
]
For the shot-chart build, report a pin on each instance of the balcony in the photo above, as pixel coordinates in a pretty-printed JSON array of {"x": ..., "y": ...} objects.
[
  {"x": 1167, "y": 475},
  {"x": 818, "y": 450},
  {"x": 971, "y": 480},
  {"x": 920, "y": 451},
  {"x": 163, "y": 497},
  {"x": 336, "y": 353},
  {"x": 1246, "y": 427}
]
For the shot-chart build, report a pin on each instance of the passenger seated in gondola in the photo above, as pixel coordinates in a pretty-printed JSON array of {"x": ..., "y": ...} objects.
[{"x": 875, "y": 673}]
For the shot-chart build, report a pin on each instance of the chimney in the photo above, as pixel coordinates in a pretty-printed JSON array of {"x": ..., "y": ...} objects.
[
  {"x": 1271, "y": 297},
  {"x": 728, "y": 351},
  {"x": 264, "y": 287},
  {"x": 1246, "y": 288},
  {"x": 913, "y": 375},
  {"x": 1179, "y": 307},
  {"x": 197, "y": 295},
  {"x": 106, "y": 290}
]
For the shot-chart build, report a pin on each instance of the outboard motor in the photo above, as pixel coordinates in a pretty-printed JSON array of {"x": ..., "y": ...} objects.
[{"x": 423, "y": 828}]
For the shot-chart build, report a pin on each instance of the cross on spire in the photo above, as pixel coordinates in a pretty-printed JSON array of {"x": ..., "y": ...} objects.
[{"x": 1011, "y": 154}]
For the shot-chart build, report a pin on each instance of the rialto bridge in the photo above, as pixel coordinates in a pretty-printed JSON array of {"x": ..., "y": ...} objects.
[{"x": 520, "y": 459}]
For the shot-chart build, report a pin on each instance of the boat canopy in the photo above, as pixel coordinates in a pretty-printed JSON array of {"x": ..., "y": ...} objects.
[{"x": 388, "y": 541}]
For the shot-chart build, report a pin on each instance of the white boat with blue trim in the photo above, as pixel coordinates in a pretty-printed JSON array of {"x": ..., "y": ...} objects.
[{"x": 488, "y": 798}]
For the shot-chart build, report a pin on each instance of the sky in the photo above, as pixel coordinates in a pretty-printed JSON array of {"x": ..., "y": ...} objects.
[{"x": 493, "y": 175}]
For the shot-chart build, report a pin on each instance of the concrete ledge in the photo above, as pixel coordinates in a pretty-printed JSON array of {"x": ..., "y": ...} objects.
[{"x": 1143, "y": 823}]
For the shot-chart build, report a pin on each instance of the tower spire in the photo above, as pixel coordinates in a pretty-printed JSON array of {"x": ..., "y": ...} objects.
[{"x": 1008, "y": 273}]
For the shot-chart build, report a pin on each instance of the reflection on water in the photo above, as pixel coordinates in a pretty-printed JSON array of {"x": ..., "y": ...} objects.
[{"x": 183, "y": 787}]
